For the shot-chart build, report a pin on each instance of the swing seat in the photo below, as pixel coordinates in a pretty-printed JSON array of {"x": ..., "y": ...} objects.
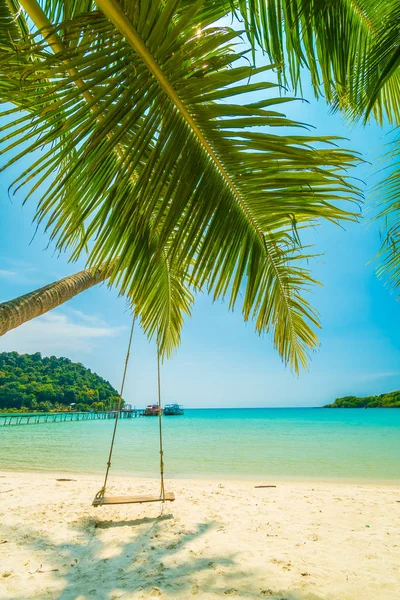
[{"x": 169, "y": 497}]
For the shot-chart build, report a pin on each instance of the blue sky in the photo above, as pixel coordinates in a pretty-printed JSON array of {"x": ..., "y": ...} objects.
[{"x": 221, "y": 361}]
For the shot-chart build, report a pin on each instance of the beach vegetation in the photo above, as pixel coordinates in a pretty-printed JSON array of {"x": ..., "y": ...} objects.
[
  {"x": 388, "y": 400},
  {"x": 30, "y": 382}
]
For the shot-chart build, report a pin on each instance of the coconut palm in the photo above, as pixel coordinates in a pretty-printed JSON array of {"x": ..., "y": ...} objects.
[
  {"x": 24, "y": 308},
  {"x": 164, "y": 161}
]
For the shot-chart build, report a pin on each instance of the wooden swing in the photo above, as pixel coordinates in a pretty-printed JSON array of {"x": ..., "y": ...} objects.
[{"x": 101, "y": 499}]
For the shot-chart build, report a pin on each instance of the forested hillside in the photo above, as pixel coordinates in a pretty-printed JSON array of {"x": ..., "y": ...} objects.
[
  {"x": 389, "y": 400},
  {"x": 34, "y": 382}
]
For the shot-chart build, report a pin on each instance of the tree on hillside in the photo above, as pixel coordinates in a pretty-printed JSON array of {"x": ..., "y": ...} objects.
[{"x": 35, "y": 383}]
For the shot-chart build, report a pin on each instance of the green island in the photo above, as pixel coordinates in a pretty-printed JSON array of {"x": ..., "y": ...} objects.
[
  {"x": 30, "y": 383},
  {"x": 389, "y": 400}
]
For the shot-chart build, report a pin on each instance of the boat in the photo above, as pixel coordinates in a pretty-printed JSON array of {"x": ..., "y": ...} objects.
[
  {"x": 173, "y": 409},
  {"x": 151, "y": 410}
]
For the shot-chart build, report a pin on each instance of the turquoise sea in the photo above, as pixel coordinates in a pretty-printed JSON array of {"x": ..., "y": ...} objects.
[{"x": 287, "y": 443}]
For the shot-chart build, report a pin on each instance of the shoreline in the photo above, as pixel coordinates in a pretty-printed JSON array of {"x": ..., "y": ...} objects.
[
  {"x": 212, "y": 477},
  {"x": 219, "y": 539}
]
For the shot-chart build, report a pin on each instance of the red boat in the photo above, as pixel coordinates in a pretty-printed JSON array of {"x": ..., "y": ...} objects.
[{"x": 151, "y": 410}]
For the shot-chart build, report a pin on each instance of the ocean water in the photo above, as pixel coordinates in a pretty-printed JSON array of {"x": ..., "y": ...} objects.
[{"x": 341, "y": 444}]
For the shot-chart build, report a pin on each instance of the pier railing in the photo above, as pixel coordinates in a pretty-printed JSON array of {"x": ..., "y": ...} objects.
[{"x": 62, "y": 417}]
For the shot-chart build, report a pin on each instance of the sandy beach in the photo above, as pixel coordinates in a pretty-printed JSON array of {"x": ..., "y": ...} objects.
[{"x": 219, "y": 539}]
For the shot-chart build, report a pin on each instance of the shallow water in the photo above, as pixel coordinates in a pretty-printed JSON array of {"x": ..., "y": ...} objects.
[{"x": 305, "y": 443}]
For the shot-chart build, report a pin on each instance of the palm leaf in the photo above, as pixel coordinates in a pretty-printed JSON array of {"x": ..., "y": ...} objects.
[
  {"x": 352, "y": 50},
  {"x": 175, "y": 159},
  {"x": 338, "y": 42},
  {"x": 381, "y": 83},
  {"x": 388, "y": 193},
  {"x": 13, "y": 30},
  {"x": 159, "y": 294},
  {"x": 13, "y": 26}
]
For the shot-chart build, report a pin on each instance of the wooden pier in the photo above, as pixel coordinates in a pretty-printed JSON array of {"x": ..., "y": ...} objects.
[{"x": 63, "y": 417}]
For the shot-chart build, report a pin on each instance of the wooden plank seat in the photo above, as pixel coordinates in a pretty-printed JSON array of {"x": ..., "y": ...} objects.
[{"x": 169, "y": 497}]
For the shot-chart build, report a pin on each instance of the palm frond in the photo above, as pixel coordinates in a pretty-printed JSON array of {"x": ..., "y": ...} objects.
[
  {"x": 176, "y": 163},
  {"x": 13, "y": 30},
  {"x": 338, "y": 42},
  {"x": 382, "y": 78},
  {"x": 388, "y": 193},
  {"x": 159, "y": 294},
  {"x": 13, "y": 26}
]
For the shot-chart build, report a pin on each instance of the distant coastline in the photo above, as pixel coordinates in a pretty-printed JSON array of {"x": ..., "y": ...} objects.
[{"x": 388, "y": 400}]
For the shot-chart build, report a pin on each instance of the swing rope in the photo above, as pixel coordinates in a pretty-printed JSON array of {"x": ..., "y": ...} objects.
[
  {"x": 101, "y": 493},
  {"x": 162, "y": 489}
]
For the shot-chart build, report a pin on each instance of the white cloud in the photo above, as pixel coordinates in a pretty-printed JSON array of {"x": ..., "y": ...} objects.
[
  {"x": 93, "y": 319},
  {"x": 379, "y": 375},
  {"x": 22, "y": 275},
  {"x": 57, "y": 332},
  {"x": 6, "y": 274}
]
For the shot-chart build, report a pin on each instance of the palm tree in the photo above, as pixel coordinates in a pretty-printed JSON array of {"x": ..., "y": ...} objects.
[
  {"x": 158, "y": 164},
  {"x": 36, "y": 303}
]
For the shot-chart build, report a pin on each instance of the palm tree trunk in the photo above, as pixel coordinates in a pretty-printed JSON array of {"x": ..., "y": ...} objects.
[{"x": 24, "y": 308}]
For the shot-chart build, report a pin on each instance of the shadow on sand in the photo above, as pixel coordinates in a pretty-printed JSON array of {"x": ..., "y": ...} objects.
[{"x": 146, "y": 557}]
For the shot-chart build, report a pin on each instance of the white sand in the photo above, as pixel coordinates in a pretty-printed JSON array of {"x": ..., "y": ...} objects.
[{"x": 298, "y": 541}]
